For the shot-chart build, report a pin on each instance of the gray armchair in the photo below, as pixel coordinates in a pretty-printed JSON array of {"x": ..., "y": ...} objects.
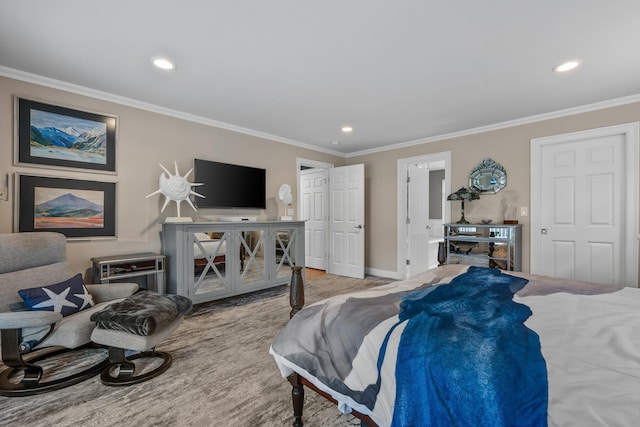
[{"x": 32, "y": 260}]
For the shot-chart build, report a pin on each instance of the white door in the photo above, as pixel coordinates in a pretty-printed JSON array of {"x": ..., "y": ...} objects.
[
  {"x": 313, "y": 193},
  {"x": 435, "y": 161},
  {"x": 417, "y": 219},
  {"x": 582, "y": 228},
  {"x": 346, "y": 221}
]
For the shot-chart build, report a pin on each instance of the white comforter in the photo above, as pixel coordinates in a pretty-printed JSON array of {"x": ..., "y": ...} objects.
[{"x": 591, "y": 344}]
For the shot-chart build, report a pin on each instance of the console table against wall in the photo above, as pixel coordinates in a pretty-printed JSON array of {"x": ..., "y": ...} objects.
[
  {"x": 130, "y": 268},
  {"x": 213, "y": 260},
  {"x": 487, "y": 245}
]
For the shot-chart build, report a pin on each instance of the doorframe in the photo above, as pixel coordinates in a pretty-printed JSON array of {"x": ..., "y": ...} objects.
[
  {"x": 630, "y": 245},
  {"x": 318, "y": 165},
  {"x": 401, "y": 233}
]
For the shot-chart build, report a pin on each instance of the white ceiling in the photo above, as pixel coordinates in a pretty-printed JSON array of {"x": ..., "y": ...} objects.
[{"x": 296, "y": 71}]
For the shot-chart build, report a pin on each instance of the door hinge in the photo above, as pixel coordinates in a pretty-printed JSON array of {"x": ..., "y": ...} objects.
[
  {"x": 408, "y": 220},
  {"x": 408, "y": 262}
]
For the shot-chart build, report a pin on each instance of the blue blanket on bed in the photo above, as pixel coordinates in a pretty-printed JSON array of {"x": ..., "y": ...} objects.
[{"x": 467, "y": 359}]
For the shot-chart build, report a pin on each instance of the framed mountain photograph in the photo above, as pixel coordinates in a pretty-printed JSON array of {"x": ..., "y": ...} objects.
[
  {"x": 73, "y": 207},
  {"x": 60, "y": 137}
]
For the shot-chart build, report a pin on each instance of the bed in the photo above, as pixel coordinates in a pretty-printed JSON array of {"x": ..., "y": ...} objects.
[{"x": 469, "y": 346}]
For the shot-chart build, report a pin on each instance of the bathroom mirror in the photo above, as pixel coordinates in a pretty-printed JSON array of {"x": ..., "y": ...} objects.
[{"x": 488, "y": 177}]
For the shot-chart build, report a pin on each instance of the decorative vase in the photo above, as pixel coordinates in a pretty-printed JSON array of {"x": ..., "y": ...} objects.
[{"x": 442, "y": 254}]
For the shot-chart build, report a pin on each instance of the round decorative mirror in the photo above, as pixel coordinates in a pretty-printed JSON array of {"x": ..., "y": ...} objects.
[{"x": 488, "y": 177}]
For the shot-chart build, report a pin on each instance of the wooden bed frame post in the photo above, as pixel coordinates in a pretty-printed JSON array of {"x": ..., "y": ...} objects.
[
  {"x": 296, "y": 301},
  {"x": 296, "y": 292},
  {"x": 297, "y": 396}
]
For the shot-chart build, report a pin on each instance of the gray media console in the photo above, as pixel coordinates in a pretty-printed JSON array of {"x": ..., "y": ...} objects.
[{"x": 212, "y": 260}]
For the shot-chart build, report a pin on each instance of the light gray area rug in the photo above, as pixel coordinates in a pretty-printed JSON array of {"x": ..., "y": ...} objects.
[{"x": 222, "y": 374}]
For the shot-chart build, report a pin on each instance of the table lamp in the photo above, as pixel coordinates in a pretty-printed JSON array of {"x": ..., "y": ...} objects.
[{"x": 463, "y": 195}]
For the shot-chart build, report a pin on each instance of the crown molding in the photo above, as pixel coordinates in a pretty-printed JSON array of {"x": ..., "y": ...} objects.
[
  {"x": 616, "y": 102},
  {"x": 85, "y": 91},
  {"x": 129, "y": 102}
]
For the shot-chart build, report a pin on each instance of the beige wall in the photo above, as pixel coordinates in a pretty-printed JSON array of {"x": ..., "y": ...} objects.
[
  {"x": 144, "y": 140},
  {"x": 509, "y": 147}
]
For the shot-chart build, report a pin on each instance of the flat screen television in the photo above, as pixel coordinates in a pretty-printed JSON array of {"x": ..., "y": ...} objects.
[{"x": 229, "y": 186}]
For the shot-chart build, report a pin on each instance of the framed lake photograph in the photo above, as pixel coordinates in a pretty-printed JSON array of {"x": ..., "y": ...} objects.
[
  {"x": 60, "y": 137},
  {"x": 73, "y": 207}
]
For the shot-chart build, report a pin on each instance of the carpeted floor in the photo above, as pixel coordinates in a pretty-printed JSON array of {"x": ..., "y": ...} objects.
[{"x": 222, "y": 374}]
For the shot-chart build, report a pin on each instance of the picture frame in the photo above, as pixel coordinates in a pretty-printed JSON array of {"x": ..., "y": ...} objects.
[
  {"x": 77, "y": 208},
  {"x": 58, "y": 137}
]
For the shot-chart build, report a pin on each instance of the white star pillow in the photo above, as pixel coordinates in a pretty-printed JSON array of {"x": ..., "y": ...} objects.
[
  {"x": 85, "y": 296},
  {"x": 67, "y": 297}
]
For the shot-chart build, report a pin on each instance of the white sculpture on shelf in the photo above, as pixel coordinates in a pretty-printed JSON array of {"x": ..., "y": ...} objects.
[
  {"x": 510, "y": 207},
  {"x": 284, "y": 194},
  {"x": 175, "y": 188}
]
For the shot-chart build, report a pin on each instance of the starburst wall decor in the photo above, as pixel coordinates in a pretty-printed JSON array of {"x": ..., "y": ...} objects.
[{"x": 176, "y": 188}]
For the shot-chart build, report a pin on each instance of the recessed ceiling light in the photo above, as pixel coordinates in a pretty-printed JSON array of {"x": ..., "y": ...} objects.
[
  {"x": 567, "y": 66},
  {"x": 163, "y": 63},
  {"x": 347, "y": 129},
  {"x": 335, "y": 143}
]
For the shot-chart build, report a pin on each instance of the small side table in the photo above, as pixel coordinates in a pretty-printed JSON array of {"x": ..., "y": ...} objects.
[{"x": 122, "y": 267}]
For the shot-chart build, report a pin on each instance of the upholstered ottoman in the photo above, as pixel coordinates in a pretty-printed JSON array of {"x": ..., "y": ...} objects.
[{"x": 137, "y": 323}]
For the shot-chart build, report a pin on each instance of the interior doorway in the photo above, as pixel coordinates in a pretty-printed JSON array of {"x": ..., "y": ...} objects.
[
  {"x": 423, "y": 183},
  {"x": 331, "y": 202},
  {"x": 313, "y": 187},
  {"x": 313, "y": 210}
]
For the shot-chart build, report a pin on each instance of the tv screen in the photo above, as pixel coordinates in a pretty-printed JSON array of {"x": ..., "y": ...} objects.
[{"x": 229, "y": 186}]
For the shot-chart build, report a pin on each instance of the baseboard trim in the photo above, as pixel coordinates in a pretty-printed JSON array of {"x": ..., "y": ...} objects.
[{"x": 383, "y": 273}]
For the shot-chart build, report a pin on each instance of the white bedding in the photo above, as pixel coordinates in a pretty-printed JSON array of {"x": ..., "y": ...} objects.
[{"x": 591, "y": 345}]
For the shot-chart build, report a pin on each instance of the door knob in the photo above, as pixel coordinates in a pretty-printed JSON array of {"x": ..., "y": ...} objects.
[{"x": 359, "y": 226}]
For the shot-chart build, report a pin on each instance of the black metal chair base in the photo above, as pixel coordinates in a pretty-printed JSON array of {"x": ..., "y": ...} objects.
[
  {"x": 32, "y": 374},
  {"x": 126, "y": 375}
]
